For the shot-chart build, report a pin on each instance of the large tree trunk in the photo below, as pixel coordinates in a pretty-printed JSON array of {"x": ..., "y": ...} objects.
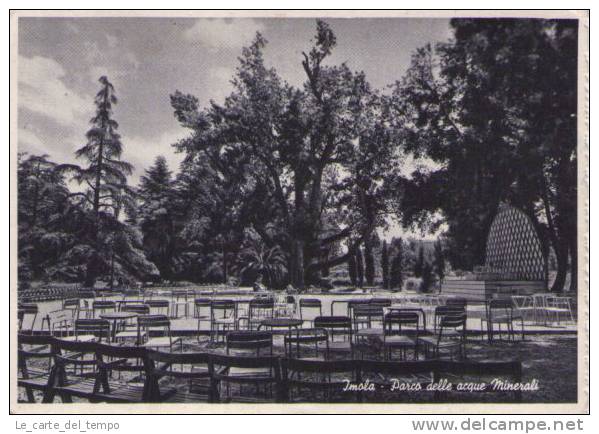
[
  {"x": 368, "y": 262},
  {"x": 225, "y": 271},
  {"x": 573, "y": 263},
  {"x": 300, "y": 269},
  {"x": 561, "y": 253}
]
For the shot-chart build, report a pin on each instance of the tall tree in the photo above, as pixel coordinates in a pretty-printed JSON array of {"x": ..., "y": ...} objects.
[
  {"x": 396, "y": 276},
  {"x": 304, "y": 145},
  {"x": 359, "y": 267},
  {"x": 439, "y": 261},
  {"x": 485, "y": 108},
  {"x": 156, "y": 216},
  {"x": 42, "y": 208},
  {"x": 419, "y": 265},
  {"x": 352, "y": 270},
  {"x": 369, "y": 270},
  {"x": 385, "y": 265},
  {"x": 106, "y": 194}
]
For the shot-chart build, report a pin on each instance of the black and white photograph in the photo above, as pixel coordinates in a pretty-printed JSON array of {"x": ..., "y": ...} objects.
[{"x": 299, "y": 210}]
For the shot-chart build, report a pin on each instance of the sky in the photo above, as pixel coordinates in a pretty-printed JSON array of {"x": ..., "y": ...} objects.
[{"x": 148, "y": 59}]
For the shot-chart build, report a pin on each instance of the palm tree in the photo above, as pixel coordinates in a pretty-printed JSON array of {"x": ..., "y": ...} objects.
[{"x": 270, "y": 262}]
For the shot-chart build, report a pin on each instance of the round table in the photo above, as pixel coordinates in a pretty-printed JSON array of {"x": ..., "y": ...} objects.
[{"x": 115, "y": 317}]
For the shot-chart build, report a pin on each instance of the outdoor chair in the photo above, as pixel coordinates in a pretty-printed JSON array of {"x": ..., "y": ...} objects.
[
  {"x": 351, "y": 304},
  {"x": 223, "y": 318},
  {"x": 259, "y": 309},
  {"x": 340, "y": 326},
  {"x": 191, "y": 368},
  {"x": 128, "y": 328},
  {"x": 248, "y": 342},
  {"x": 441, "y": 311},
  {"x": 451, "y": 337},
  {"x": 309, "y": 304},
  {"x": 158, "y": 306},
  {"x": 558, "y": 306},
  {"x": 35, "y": 376},
  {"x": 500, "y": 312},
  {"x": 86, "y": 298},
  {"x": 157, "y": 329},
  {"x": 180, "y": 299},
  {"x": 401, "y": 330},
  {"x": 201, "y": 304},
  {"x": 102, "y": 306},
  {"x": 88, "y": 330},
  {"x": 314, "y": 341},
  {"x": 366, "y": 335},
  {"x": 59, "y": 322},
  {"x": 261, "y": 372},
  {"x": 73, "y": 305},
  {"x": 524, "y": 305},
  {"x": 364, "y": 317},
  {"x": 25, "y": 310},
  {"x": 291, "y": 305},
  {"x": 319, "y": 380}
]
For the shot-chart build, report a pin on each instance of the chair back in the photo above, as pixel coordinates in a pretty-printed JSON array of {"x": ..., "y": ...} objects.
[
  {"x": 249, "y": 341},
  {"x": 100, "y": 328},
  {"x": 382, "y": 302},
  {"x": 103, "y": 306},
  {"x": 335, "y": 325},
  {"x": 200, "y": 303},
  {"x": 365, "y": 314},
  {"x": 71, "y": 303},
  {"x": 158, "y": 304},
  {"x": 86, "y": 294},
  {"x": 141, "y": 309},
  {"x": 309, "y": 303},
  {"x": 457, "y": 301},
  {"x": 59, "y": 321},
  {"x": 261, "y": 308},
  {"x": 441, "y": 311},
  {"x": 132, "y": 293},
  {"x": 158, "y": 324},
  {"x": 305, "y": 337},
  {"x": 500, "y": 307},
  {"x": 402, "y": 319},
  {"x": 180, "y": 294},
  {"x": 222, "y": 309},
  {"x": 351, "y": 304},
  {"x": 453, "y": 321}
]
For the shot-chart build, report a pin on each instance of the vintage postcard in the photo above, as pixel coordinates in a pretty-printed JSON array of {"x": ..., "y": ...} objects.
[{"x": 299, "y": 212}]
